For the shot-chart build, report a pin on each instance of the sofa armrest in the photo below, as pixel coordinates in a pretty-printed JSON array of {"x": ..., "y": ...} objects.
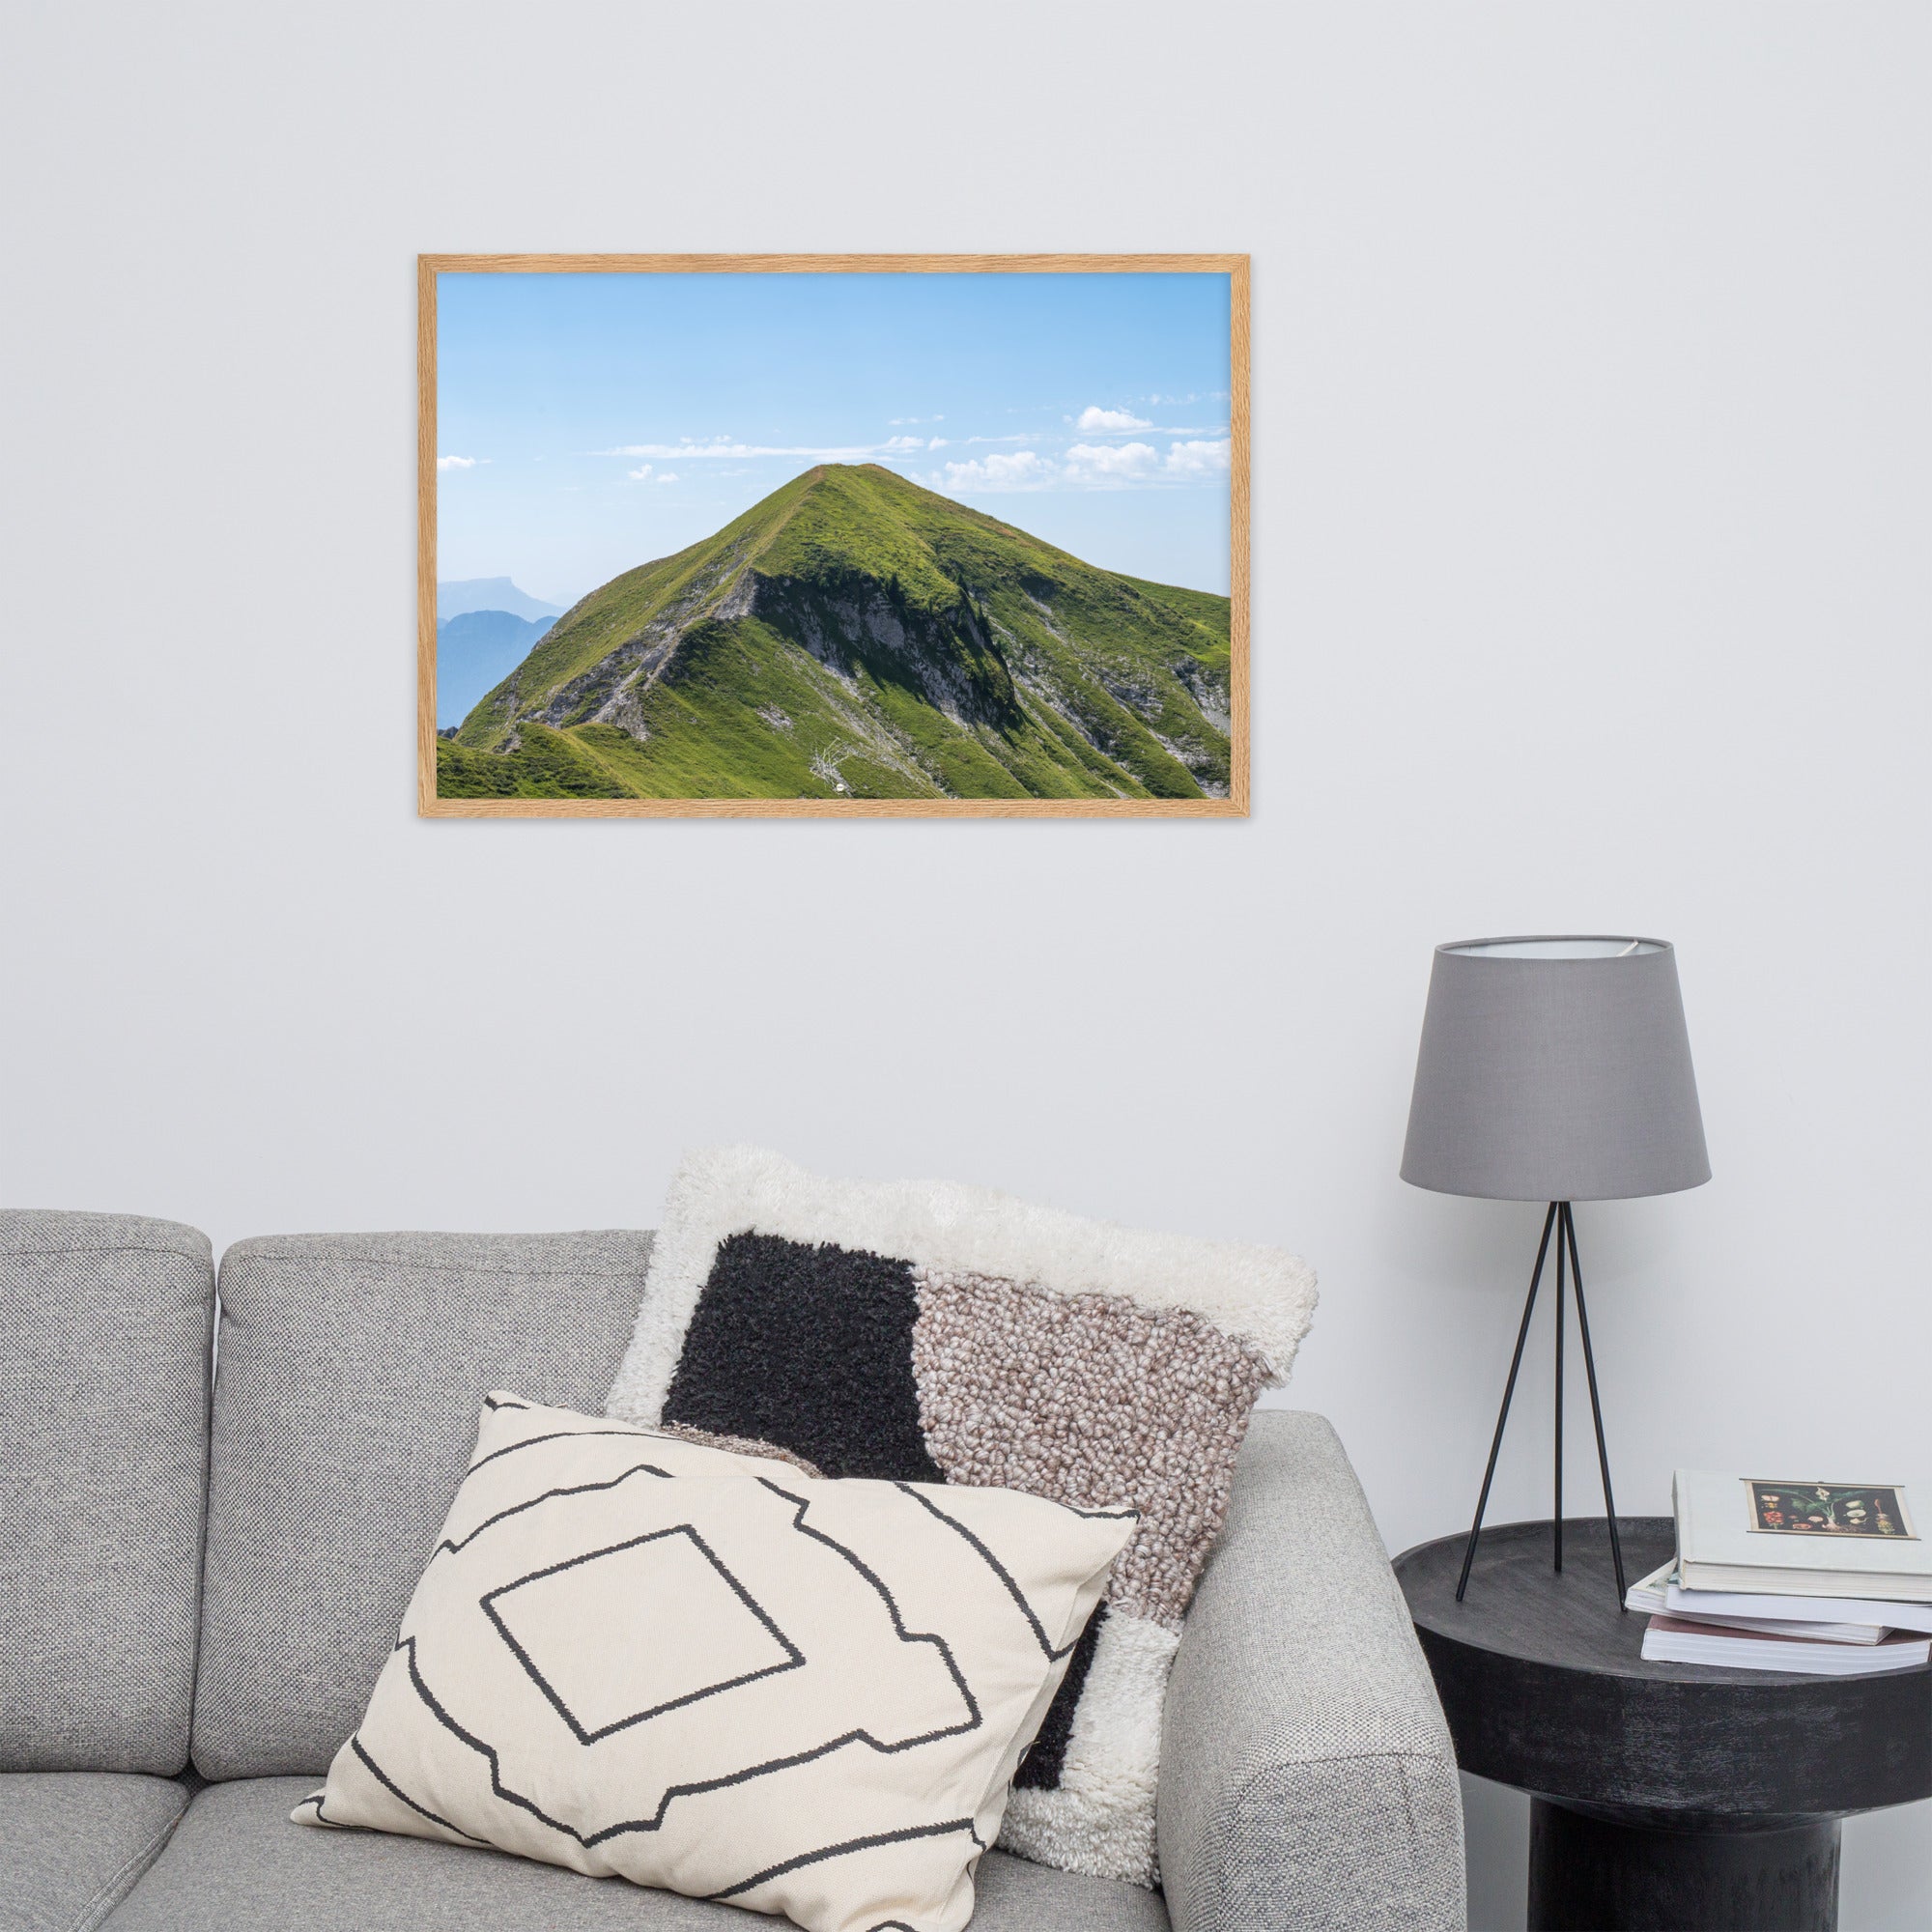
[{"x": 1307, "y": 1779}]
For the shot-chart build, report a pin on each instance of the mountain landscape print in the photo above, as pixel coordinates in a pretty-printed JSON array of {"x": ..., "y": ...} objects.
[{"x": 981, "y": 555}]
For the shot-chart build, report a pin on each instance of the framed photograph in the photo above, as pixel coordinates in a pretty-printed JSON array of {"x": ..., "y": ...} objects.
[{"x": 833, "y": 535}]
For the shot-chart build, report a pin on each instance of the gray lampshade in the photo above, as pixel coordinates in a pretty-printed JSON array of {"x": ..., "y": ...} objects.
[{"x": 1555, "y": 1069}]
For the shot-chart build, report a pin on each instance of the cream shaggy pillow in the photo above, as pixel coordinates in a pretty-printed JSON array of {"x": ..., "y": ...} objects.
[
  {"x": 929, "y": 1332},
  {"x": 637, "y": 1655}
]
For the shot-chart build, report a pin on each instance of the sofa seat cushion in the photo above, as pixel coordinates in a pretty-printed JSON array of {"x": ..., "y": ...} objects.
[
  {"x": 237, "y": 1864},
  {"x": 72, "y": 1842},
  {"x": 103, "y": 1411},
  {"x": 345, "y": 1406}
]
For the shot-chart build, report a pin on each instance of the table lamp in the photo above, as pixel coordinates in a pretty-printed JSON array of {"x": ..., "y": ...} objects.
[{"x": 1555, "y": 1070}]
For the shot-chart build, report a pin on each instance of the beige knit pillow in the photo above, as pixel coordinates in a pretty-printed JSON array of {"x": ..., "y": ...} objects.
[{"x": 635, "y": 1655}]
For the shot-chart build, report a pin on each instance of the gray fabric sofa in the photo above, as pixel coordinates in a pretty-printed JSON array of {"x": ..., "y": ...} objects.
[{"x": 200, "y": 1575}]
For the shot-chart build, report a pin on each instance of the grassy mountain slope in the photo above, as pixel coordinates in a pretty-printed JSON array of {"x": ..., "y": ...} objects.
[{"x": 856, "y": 635}]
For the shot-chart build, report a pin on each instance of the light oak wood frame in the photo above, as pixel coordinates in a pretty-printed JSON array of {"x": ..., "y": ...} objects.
[{"x": 430, "y": 806}]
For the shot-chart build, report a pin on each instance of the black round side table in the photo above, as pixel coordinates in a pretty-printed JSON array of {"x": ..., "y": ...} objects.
[{"x": 1668, "y": 1796}]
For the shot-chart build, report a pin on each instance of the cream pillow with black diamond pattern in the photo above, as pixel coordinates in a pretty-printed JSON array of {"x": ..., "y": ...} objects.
[{"x": 640, "y": 1656}]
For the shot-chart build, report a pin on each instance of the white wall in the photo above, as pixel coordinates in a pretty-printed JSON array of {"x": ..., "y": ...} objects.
[{"x": 1592, "y": 417}]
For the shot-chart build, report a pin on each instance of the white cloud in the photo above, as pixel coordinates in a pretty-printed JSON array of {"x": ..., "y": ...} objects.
[
  {"x": 1112, "y": 462},
  {"x": 1096, "y": 421},
  {"x": 720, "y": 449},
  {"x": 1085, "y": 465},
  {"x": 1021, "y": 470},
  {"x": 1117, "y": 461},
  {"x": 1197, "y": 459},
  {"x": 691, "y": 451},
  {"x": 900, "y": 421},
  {"x": 456, "y": 462}
]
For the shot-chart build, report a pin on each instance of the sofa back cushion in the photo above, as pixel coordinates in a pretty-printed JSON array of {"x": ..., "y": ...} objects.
[
  {"x": 350, "y": 1371},
  {"x": 104, "y": 1413}
]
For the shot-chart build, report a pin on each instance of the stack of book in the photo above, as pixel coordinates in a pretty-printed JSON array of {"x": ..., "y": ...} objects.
[{"x": 1826, "y": 1579}]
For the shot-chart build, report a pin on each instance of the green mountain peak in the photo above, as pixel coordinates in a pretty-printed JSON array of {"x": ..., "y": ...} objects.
[{"x": 854, "y": 634}]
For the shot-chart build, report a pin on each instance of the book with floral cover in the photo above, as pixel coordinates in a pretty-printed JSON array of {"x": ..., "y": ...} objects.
[{"x": 1803, "y": 1537}]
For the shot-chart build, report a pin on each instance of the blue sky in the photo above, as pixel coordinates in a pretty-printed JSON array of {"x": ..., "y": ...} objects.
[{"x": 589, "y": 423}]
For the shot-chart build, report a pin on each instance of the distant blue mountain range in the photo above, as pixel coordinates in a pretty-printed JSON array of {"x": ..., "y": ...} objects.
[
  {"x": 488, "y": 593},
  {"x": 475, "y": 651}
]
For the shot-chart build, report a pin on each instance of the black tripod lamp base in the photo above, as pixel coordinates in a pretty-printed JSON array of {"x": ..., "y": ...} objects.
[{"x": 1561, "y": 1223}]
